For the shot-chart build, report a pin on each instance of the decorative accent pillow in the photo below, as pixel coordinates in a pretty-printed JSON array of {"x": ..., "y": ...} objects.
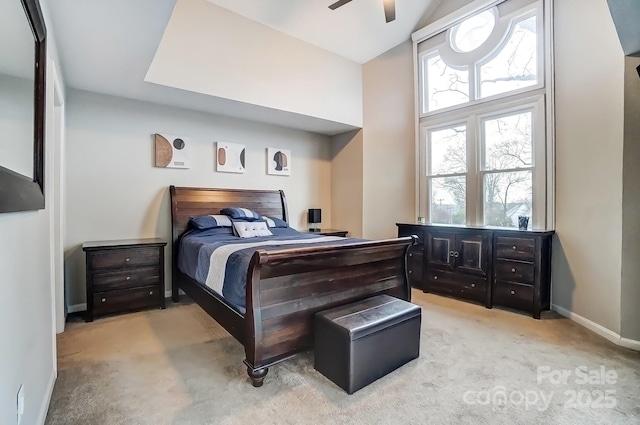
[
  {"x": 241, "y": 214},
  {"x": 251, "y": 229},
  {"x": 210, "y": 221},
  {"x": 274, "y": 221}
]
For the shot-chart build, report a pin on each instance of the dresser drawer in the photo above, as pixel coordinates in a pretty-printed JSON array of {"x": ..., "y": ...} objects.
[
  {"x": 127, "y": 299},
  {"x": 415, "y": 265},
  {"x": 458, "y": 285},
  {"x": 124, "y": 257},
  {"x": 517, "y": 271},
  {"x": 515, "y": 248},
  {"x": 128, "y": 278},
  {"x": 513, "y": 295}
]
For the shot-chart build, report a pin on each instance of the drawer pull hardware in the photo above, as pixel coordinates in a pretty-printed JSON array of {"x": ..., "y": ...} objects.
[
  {"x": 410, "y": 271},
  {"x": 473, "y": 285},
  {"x": 150, "y": 292},
  {"x": 128, "y": 278},
  {"x": 451, "y": 253},
  {"x": 410, "y": 255},
  {"x": 435, "y": 278},
  {"x": 513, "y": 270},
  {"x": 126, "y": 260},
  {"x": 104, "y": 300},
  {"x": 456, "y": 254},
  {"x": 515, "y": 247},
  {"x": 513, "y": 292}
]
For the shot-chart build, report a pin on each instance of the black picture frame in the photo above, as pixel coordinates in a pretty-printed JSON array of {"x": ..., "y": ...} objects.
[{"x": 19, "y": 192}]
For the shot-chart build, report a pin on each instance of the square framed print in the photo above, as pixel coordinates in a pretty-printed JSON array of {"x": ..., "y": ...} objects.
[
  {"x": 278, "y": 161},
  {"x": 172, "y": 151},
  {"x": 230, "y": 157}
]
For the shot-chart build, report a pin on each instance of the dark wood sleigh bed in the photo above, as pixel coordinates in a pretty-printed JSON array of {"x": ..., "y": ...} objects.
[{"x": 285, "y": 288}]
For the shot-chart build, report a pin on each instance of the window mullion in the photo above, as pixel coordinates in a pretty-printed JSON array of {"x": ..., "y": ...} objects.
[{"x": 472, "y": 171}]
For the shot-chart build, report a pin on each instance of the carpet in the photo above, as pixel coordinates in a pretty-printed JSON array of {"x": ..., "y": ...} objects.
[{"x": 178, "y": 366}]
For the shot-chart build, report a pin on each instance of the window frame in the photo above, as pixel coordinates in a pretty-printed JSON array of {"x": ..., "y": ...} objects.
[{"x": 538, "y": 98}]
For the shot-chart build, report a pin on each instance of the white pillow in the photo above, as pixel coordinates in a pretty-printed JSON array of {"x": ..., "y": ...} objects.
[{"x": 251, "y": 229}]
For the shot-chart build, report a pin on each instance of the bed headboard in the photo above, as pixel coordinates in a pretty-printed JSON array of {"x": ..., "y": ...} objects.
[{"x": 192, "y": 201}]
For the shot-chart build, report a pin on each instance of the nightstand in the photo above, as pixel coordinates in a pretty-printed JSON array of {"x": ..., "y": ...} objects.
[
  {"x": 124, "y": 275},
  {"x": 328, "y": 232}
]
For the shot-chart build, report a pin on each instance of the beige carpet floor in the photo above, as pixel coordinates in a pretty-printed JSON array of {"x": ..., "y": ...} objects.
[{"x": 476, "y": 366}]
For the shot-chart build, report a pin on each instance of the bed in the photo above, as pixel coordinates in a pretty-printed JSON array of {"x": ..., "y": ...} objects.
[{"x": 286, "y": 286}]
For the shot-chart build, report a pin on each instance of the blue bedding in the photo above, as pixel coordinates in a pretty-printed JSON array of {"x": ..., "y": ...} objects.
[{"x": 197, "y": 247}]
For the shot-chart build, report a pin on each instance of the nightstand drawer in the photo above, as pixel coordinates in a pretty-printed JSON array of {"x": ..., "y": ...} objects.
[
  {"x": 515, "y": 248},
  {"x": 124, "y": 257},
  {"x": 514, "y": 295},
  {"x": 128, "y": 278},
  {"x": 126, "y": 299},
  {"x": 514, "y": 271}
]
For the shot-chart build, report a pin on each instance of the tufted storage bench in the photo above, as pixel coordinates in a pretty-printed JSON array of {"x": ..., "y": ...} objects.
[{"x": 358, "y": 343}]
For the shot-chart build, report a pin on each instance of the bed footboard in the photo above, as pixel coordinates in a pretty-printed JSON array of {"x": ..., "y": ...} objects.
[{"x": 285, "y": 288}]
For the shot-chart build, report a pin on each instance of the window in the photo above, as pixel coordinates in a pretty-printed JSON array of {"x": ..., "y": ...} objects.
[{"x": 482, "y": 118}]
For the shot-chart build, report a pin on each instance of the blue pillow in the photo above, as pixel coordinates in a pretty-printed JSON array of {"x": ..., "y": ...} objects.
[
  {"x": 209, "y": 221},
  {"x": 241, "y": 214},
  {"x": 275, "y": 221}
]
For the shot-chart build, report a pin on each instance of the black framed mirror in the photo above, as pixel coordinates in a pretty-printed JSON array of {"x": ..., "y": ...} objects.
[{"x": 23, "y": 57}]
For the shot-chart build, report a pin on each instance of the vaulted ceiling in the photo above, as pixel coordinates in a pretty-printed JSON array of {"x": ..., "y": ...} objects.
[{"x": 109, "y": 46}]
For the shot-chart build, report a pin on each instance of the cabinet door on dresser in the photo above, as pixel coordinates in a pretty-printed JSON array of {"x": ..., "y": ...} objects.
[
  {"x": 415, "y": 262},
  {"x": 458, "y": 264}
]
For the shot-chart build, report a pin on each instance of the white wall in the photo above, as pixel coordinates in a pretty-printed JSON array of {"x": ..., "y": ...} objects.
[
  {"x": 389, "y": 142},
  {"x": 27, "y": 329},
  {"x": 212, "y": 50},
  {"x": 586, "y": 268},
  {"x": 114, "y": 192},
  {"x": 346, "y": 182},
  {"x": 630, "y": 291}
]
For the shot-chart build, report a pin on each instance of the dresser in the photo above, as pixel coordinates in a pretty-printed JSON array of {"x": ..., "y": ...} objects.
[
  {"x": 124, "y": 275},
  {"x": 491, "y": 266}
]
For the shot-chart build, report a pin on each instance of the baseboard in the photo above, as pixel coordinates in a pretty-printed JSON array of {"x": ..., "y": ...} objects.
[
  {"x": 42, "y": 416},
  {"x": 630, "y": 343},
  {"x": 83, "y": 307},
  {"x": 598, "y": 329}
]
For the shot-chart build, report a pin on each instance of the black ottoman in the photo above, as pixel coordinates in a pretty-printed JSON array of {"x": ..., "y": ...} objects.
[{"x": 357, "y": 343}]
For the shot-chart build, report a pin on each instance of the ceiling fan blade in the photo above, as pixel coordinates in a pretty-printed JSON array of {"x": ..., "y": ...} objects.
[
  {"x": 339, "y": 3},
  {"x": 389, "y": 10}
]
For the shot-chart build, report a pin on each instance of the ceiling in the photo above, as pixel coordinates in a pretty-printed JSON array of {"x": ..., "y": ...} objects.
[
  {"x": 357, "y": 30},
  {"x": 108, "y": 46}
]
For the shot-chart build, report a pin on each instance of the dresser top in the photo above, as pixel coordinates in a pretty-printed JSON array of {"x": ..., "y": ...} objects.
[
  {"x": 492, "y": 228},
  {"x": 123, "y": 243}
]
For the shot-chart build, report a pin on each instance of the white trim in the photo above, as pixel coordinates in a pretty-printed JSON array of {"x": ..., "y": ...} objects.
[
  {"x": 44, "y": 408},
  {"x": 630, "y": 343},
  {"x": 447, "y": 21},
  {"x": 598, "y": 329},
  {"x": 83, "y": 307}
]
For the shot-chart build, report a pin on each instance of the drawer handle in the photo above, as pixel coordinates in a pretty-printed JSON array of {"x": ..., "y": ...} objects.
[
  {"x": 435, "y": 278},
  {"x": 410, "y": 271},
  {"x": 104, "y": 300},
  {"x": 128, "y": 278},
  {"x": 451, "y": 253},
  {"x": 150, "y": 292},
  {"x": 513, "y": 292},
  {"x": 126, "y": 260},
  {"x": 473, "y": 285},
  {"x": 410, "y": 255},
  {"x": 513, "y": 270},
  {"x": 515, "y": 247}
]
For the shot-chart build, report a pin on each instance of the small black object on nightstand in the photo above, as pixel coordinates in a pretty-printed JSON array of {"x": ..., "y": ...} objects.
[
  {"x": 328, "y": 232},
  {"x": 124, "y": 275}
]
